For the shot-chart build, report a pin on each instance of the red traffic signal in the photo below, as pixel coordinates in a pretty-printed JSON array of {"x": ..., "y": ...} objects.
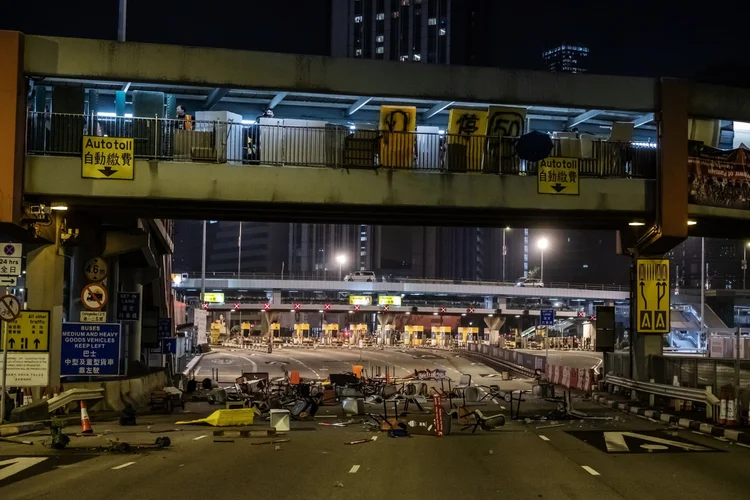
[
  {"x": 297, "y": 307},
  {"x": 236, "y": 306},
  {"x": 356, "y": 307},
  {"x": 386, "y": 308},
  {"x": 266, "y": 306},
  {"x": 470, "y": 310},
  {"x": 443, "y": 309},
  {"x": 326, "y": 307}
]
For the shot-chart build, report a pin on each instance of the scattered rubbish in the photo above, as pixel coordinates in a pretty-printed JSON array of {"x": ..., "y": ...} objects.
[
  {"x": 226, "y": 418},
  {"x": 245, "y": 433},
  {"x": 275, "y": 441},
  {"x": 127, "y": 416},
  {"x": 398, "y": 433},
  {"x": 181, "y": 465},
  {"x": 550, "y": 426},
  {"x": 359, "y": 441},
  {"x": 277, "y": 448},
  {"x": 7, "y": 440},
  {"x": 223, "y": 440},
  {"x": 491, "y": 452},
  {"x": 163, "y": 442},
  {"x": 339, "y": 484},
  {"x": 158, "y": 432}
]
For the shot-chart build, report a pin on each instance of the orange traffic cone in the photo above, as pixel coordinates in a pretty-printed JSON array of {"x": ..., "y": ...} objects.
[{"x": 85, "y": 421}]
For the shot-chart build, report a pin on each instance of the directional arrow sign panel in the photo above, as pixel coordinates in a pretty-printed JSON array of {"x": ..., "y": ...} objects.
[
  {"x": 652, "y": 295},
  {"x": 107, "y": 158},
  {"x": 29, "y": 332},
  {"x": 558, "y": 176}
]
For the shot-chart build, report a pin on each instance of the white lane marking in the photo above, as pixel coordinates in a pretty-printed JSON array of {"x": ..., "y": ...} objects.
[
  {"x": 544, "y": 438},
  {"x": 197, "y": 371},
  {"x": 354, "y": 469},
  {"x": 128, "y": 464},
  {"x": 375, "y": 438},
  {"x": 200, "y": 437},
  {"x": 16, "y": 465},
  {"x": 743, "y": 445},
  {"x": 590, "y": 470}
]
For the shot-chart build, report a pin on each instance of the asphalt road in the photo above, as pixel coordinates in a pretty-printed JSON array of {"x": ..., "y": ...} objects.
[{"x": 522, "y": 460}]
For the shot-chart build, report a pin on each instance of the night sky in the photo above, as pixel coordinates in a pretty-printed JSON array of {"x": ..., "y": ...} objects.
[{"x": 636, "y": 37}]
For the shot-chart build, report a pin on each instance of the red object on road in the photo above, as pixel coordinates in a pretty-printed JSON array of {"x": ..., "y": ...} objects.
[
  {"x": 85, "y": 421},
  {"x": 437, "y": 403}
]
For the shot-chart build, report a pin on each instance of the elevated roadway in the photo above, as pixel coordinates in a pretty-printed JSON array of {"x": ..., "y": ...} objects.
[{"x": 437, "y": 288}]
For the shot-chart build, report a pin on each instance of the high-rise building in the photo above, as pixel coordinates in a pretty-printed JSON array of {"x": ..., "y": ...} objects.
[
  {"x": 433, "y": 31},
  {"x": 567, "y": 58},
  {"x": 723, "y": 259},
  {"x": 258, "y": 247}
]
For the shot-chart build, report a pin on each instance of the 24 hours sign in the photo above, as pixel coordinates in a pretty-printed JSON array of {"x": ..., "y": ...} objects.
[
  {"x": 107, "y": 158},
  {"x": 652, "y": 295}
]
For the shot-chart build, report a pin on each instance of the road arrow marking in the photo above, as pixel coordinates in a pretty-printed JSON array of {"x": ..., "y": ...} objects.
[{"x": 16, "y": 465}]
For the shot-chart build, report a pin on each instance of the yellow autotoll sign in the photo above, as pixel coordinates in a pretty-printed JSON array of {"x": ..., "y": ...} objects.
[
  {"x": 653, "y": 295},
  {"x": 107, "y": 158},
  {"x": 558, "y": 176},
  {"x": 360, "y": 300},
  {"x": 29, "y": 332},
  {"x": 213, "y": 297},
  {"x": 389, "y": 300}
]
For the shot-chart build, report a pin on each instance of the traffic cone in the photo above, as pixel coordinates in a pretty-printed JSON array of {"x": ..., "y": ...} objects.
[{"x": 85, "y": 421}]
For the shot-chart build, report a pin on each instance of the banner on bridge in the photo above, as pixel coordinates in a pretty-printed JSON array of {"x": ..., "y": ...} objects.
[{"x": 719, "y": 178}]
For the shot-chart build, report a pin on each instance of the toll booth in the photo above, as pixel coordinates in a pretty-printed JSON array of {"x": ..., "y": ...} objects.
[
  {"x": 387, "y": 335},
  {"x": 413, "y": 335},
  {"x": 468, "y": 335},
  {"x": 276, "y": 333},
  {"x": 331, "y": 334},
  {"x": 490, "y": 337},
  {"x": 246, "y": 328},
  {"x": 441, "y": 336},
  {"x": 302, "y": 333},
  {"x": 215, "y": 332},
  {"x": 358, "y": 333}
]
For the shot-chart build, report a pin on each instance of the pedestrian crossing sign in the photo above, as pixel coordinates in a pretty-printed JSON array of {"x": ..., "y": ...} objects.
[{"x": 652, "y": 295}]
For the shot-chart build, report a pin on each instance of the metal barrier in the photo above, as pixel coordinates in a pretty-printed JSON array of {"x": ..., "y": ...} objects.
[
  {"x": 526, "y": 364},
  {"x": 669, "y": 391},
  {"x": 329, "y": 146},
  {"x": 618, "y": 364}
]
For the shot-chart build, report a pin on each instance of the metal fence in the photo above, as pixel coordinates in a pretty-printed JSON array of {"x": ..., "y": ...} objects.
[{"x": 329, "y": 146}]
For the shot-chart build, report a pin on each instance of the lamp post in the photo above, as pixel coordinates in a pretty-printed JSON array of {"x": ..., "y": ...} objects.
[
  {"x": 744, "y": 265},
  {"x": 341, "y": 258},
  {"x": 505, "y": 251},
  {"x": 542, "y": 244}
]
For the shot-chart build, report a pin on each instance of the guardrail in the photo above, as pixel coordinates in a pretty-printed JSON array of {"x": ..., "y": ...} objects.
[
  {"x": 526, "y": 364},
  {"x": 329, "y": 146},
  {"x": 669, "y": 391}
]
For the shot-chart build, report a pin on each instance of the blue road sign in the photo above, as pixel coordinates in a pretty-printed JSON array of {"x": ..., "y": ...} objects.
[
  {"x": 90, "y": 349},
  {"x": 169, "y": 346},
  {"x": 128, "y": 306},
  {"x": 164, "y": 328},
  {"x": 547, "y": 317}
]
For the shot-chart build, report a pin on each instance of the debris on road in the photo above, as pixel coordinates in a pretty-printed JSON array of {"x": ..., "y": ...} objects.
[
  {"x": 551, "y": 426},
  {"x": 359, "y": 441},
  {"x": 226, "y": 418},
  {"x": 338, "y": 484},
  {"x": 246, "y": 433}
]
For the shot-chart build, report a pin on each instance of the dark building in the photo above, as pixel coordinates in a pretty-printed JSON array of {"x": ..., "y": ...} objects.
[
  {"x": 567, "y": 58},
  {"x": 260, "y": 247},
  {"x": 432, "y": 31},
  {"x": 723, "y": 260}
]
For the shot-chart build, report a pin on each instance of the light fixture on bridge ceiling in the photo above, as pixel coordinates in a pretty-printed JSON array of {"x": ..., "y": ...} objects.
[
  {"x": 491, "y": 316},
  {"x": 692, "y": 222},
  {"x": 56, "y": 205},
  {"x": 518, "y": 315},
  {"x": 291, "y": 310},
  {"x": 407, "y": 313},
  {"x": 636, "y": 223},
  {"x": 463, "y": 314},
  {"x": 434, "y": 314},
  {"x": 320, "y": 311}
]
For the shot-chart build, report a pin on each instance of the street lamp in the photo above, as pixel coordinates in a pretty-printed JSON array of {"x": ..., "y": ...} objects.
[
  {"x": 744, "y": 264},
  {"x": 542, "y": 244},
  {"x": 341, "y": 258},
  {"x": 505, "y": 251}
]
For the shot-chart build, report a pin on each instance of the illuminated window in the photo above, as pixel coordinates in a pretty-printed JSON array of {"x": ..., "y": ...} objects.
[
  {"x": 417, "y": 57},
  {"x": 380, "y": 16},
  {"x": 358, "y": 52},
  {"x": 395, "y": 14},
  {"x": 441, "y": 32},
  {"x": 358, "y": 19},
  {"x": 379, "y": 38},
  {"x": 432, "y": 21},
  {"x": 379, "y": 50}
]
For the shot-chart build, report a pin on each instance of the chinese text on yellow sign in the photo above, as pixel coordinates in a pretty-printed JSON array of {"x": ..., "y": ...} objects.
[
  {"x": 397, "y": 145},
  {"x": 29, "y": 332},
  {"x": 107, "y": 158},
  {"x": 558, "y": 176},
  {"x": 653, "y": 296}
]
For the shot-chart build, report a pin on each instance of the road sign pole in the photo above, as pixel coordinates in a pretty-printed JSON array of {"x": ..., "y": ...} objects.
[{"x": 5, "y": 371}]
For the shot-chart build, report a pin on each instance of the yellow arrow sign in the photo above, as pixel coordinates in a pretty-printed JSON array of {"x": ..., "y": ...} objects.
[{"x": 652, "y": 295}]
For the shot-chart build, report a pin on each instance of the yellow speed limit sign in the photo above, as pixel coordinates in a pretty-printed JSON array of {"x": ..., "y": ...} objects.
[{"x": 652, "y": 295}]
